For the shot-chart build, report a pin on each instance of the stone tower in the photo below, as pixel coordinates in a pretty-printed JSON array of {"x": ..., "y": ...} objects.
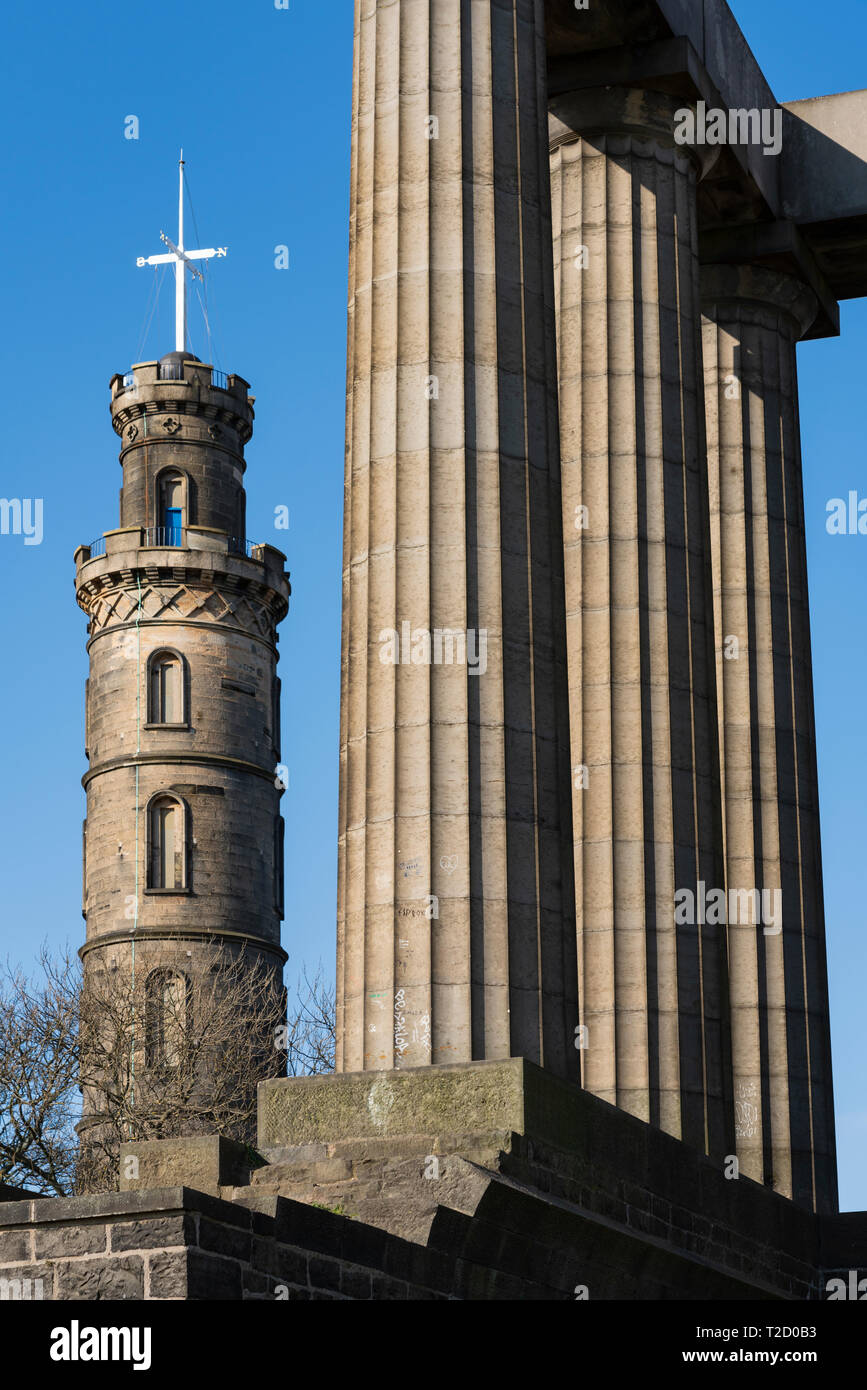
[{"x": 183, "y": 841}]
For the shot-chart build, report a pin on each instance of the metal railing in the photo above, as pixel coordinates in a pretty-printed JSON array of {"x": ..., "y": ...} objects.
[
  {"x": 239, "y": 546},
  {"x": 164, "y": 535},
  {"x": 173, "y": 537},
  {"x": 174, "y": 371}
]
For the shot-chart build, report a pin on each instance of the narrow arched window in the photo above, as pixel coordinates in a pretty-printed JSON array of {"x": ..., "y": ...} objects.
[
  {"x": 166, "y": 692},
  {"x": 167, "y": 996},
  {"x": 167, "y": 845}
]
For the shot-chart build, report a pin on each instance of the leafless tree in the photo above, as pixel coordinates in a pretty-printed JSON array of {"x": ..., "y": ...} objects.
[
  {"x": 172, "y": 1049},
  {"x": 310, "y": 1030},
  {"x": 155, "y": 1053},
  {"x": 39, "y": 1101}
]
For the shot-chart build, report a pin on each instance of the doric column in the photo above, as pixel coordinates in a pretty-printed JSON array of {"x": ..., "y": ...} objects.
[
  {"x": 456, "y": 925},
  {"x": 646, "y": 818},
  {"x": 781, "y": 1051}
]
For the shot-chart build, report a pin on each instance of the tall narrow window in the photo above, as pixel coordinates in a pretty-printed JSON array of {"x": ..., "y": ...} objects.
[
  {"x": 167, "y": 845},
  {"x": 166, "y": 703},
  {"x": 279, "y": 828},
  {"x": 167, "y": 1017},
  {"x": 275, "y": 716}
]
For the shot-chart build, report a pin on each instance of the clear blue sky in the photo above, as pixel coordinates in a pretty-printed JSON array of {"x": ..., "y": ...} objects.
[{"x": 260, "y": 99}]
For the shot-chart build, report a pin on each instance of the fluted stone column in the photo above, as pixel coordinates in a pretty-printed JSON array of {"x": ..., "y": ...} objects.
[
  {"x": 781, "y": 1051},
  {"x": 645, "y": 802},
  {"x": 456, "y": 921}
]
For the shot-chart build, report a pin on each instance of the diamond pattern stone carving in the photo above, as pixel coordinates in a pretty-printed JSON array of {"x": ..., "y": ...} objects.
[{"x": 183, "y": 602}]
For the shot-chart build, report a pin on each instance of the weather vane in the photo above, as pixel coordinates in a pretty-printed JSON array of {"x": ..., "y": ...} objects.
[{"x": 181, "y": 259}]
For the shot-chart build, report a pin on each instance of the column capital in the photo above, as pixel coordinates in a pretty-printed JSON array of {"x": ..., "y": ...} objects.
[
  {"x": 630, "y": 113},
  {"x": 748, "y": 291}
]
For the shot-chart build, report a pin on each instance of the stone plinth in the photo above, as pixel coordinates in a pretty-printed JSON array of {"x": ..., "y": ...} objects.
[
  {"x": 522, "y": 1187},
  {"x": 455, "y": 1099},
  {"x": 395, "y": 1149},
  {"x": 206, "y": 1162}
]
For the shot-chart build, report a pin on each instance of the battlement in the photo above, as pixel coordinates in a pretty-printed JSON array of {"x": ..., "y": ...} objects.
[
  {"x": 180, "y": 386},
  {"x": 171, "y": 371},
  {"x": 114, "y": 558}
]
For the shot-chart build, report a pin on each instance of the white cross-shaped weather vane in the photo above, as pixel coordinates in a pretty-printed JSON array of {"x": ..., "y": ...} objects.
[{"x": 182, "y": 261}]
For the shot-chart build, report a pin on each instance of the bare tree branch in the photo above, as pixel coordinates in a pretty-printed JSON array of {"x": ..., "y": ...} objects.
[{"x": 165, "y": 1052}]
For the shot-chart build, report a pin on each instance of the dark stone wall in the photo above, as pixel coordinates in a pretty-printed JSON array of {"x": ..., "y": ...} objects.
[
  {"x": 174, "y": 1243},
  {"x": 518, "y": 1244}
]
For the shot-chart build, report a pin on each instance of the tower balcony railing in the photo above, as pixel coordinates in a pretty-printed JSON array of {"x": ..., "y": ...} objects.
[
  {"x": 177, "y": 538},
  {"x": 174, "y": 371},
  {"x": 185, "y": 371},
  {"x": 163, "y": 535},
  {"x": 239, "y": 546}
]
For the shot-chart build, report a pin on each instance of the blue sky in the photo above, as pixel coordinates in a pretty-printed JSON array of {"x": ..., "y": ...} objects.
[{"x": 260, "y": 99}]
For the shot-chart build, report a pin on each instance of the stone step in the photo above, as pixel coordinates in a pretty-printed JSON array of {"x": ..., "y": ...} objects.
[{"x": 393, "y": 1194}]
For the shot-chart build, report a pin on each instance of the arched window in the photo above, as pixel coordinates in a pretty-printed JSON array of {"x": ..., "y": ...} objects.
[
  {"x": 167, "y": 1022},
  {"x": 167, "y": 866},
  {"x": 166, "y": 689}
]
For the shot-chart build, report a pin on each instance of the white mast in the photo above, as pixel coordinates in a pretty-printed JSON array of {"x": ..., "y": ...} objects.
[
  {"x": 182, "y": 260},
  {"x": 180, "y": 276}
]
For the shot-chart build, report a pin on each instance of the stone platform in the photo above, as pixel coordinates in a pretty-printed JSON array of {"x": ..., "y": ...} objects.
[{"x": 484, "y": 1181}]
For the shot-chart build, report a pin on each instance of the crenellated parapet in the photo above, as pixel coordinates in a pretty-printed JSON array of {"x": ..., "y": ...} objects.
[{"x": 137, "y": 583}]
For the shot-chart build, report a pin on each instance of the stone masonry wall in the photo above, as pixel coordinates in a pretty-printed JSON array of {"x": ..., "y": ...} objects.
[{"x": 174, "y": 1243}]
